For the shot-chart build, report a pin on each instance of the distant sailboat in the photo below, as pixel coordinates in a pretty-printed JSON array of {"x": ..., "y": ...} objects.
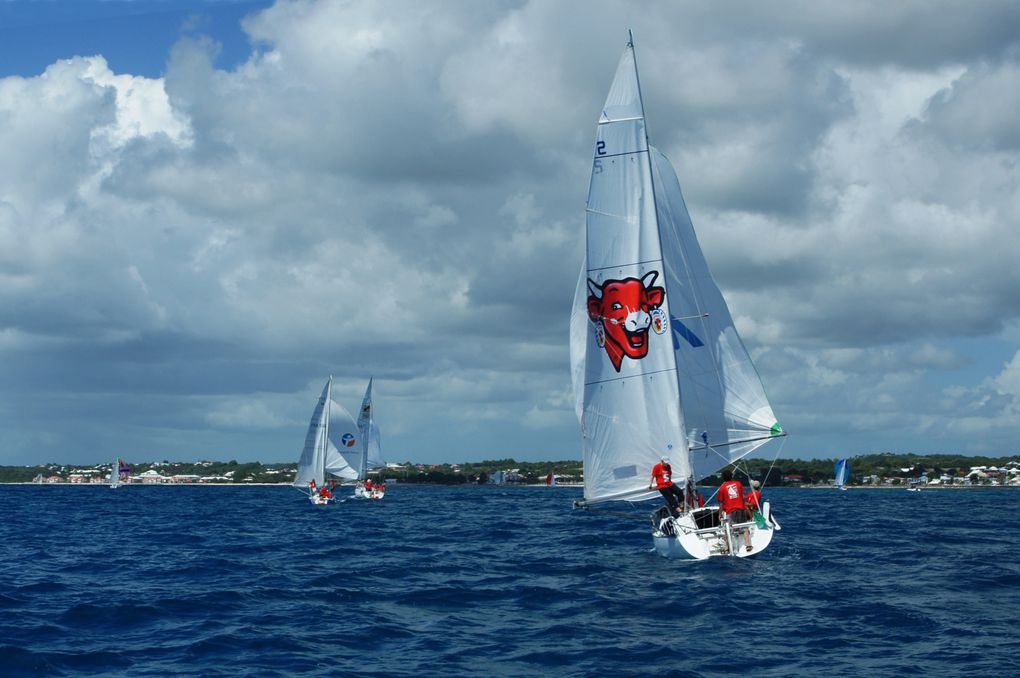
[
  {"x": 371, "y": 450},
  {"x": 119, "y": 473},
  {"x": 657, "y": 365},
  {"x": 330, "y": 431},
  {"x": 842, "y": 473}
]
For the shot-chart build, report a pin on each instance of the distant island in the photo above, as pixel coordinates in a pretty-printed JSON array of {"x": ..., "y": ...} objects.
[{"x": 884, "y": 469}]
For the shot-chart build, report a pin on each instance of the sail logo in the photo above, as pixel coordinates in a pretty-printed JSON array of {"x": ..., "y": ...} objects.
[
  {"x": 659, "y": 324},
  {"x": 623, "y": 311},
  {"x": 347, "y": 440}
]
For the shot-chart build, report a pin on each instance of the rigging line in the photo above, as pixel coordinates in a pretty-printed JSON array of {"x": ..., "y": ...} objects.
[
  {"x": 620, "y": 155},
  {"x": 629, "y": 376},
  {"x": 636, "y": 263},
  {"x": 737, "y": 442},
  {"x": 768, "y": 474}
]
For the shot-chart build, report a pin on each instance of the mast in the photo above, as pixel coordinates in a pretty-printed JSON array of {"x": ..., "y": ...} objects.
[
  {"x": 688, "y": 462},
  {"x": 325, "y": 436},
  {"x": 367, "y": 432},
  {"x": 628, "y": 405}
]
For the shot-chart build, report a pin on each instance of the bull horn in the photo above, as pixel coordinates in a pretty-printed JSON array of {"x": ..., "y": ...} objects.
[
  {"x": 594, "y": 288},
  {"x": 648, "y": 278}
]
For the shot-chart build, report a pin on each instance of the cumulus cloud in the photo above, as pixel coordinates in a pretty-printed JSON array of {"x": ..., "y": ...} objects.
[{"x": 397, "y": 190}]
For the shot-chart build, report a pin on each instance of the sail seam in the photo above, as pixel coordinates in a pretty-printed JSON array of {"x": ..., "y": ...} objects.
[
  {"x": 636, "y": 263},
  {"x": 629, "y": 376}
]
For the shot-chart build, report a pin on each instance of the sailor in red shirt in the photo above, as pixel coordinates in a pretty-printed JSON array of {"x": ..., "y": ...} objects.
[
  {"x": 662, "y": 480},
  {"x": 731, "y": 502},
  {"x": 753, "y": 498}
]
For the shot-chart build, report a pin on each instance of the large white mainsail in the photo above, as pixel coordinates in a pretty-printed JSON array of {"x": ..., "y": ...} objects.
[
  {"x": 623, "y": 362},
  {"x": 331, "y": 432},
  {"x": 650, "y": 327}
]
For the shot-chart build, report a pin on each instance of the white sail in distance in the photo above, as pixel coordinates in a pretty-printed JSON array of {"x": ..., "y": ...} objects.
[
  {"x": 369, "y": 431},
  {"x": 331, "y": 430}
]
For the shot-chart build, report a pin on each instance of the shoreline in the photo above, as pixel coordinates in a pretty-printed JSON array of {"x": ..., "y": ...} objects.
[{"x": 511, "y": 485}]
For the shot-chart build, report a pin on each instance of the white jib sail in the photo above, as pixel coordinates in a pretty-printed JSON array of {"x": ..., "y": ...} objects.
[
  {"x": 725, "y": 408},
  {"x": 621, "y": 351}
]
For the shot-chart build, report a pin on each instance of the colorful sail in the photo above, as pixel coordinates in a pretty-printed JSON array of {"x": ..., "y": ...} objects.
[
  {"x": 330, "y": 430},
  {"x": 623, "y": 362},
  {"x": 650, "y": 330}
]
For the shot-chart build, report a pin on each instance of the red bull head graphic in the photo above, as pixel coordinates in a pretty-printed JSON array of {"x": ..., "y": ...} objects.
[{"x": 622, "y": 311}]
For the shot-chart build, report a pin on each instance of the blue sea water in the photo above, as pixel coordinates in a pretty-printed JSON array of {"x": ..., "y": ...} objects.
[{"x": 492, "y": 581}]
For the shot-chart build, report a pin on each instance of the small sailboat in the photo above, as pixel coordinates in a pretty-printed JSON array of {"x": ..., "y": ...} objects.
[
  {"x": 371, "y": 450},
  {"x": 331, "y": 431},
  {"x": 657, "y": 365},
  {"x": 119, "y": 473},
  {"x": 842, "y": 473}
]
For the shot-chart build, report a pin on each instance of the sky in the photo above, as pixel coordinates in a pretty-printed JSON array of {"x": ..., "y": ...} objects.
[{"x": 208, "y": 208}]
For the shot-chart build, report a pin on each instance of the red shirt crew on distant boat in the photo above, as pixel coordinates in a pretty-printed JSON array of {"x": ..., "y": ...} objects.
[{"x": 368, "y": 484}]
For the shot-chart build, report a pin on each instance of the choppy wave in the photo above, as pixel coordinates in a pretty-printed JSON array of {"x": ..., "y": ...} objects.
[{"x": 490, "y": 581}]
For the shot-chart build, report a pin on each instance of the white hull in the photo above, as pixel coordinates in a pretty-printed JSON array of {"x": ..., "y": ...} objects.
[
  {"x": 320, "y": 501},
  {"x": 713, "y": 539},
  {"x": 362, "y": 493}
]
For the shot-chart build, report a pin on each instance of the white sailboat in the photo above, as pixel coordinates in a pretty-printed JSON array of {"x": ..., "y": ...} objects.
[
  {"x": 842, "y": 473},
  {"x": 119, "y": 471},
  {"x": 332, "y": 431},
  {"x": 657, "y": 365},
  {"x": 371, "y": 450}
]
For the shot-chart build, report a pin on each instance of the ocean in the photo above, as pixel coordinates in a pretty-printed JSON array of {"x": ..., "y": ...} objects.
[{"x": 498, "y": 581}]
